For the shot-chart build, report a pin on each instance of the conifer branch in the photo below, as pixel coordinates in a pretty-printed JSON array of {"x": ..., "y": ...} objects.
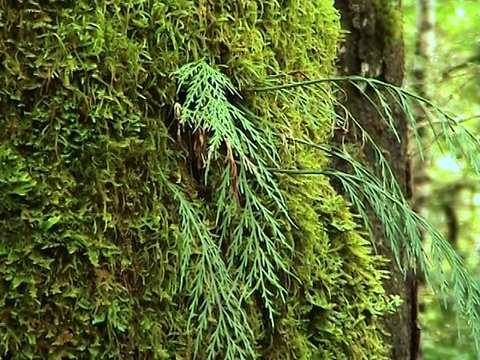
[
  {"x": 251, "y": 228},
  {"x": 245, "y": 225},
  {"x": 386, "y": 199},
  {"x": 214, "y": 294}
]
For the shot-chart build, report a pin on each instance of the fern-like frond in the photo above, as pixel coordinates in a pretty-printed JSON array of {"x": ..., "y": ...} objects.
[
  {"x": 248, "y": 206},
  {"x": 390, "y": 207},
  {"x": 460, "y": 142},
  {"x": 401, "y": 226},
  {"x": 249, "y": 202},
  {"x": 214, "y": 294},
  {"x": 383, "y": 195}
]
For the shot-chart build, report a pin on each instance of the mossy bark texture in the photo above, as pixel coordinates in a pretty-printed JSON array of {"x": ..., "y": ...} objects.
[
  {"x": 112, "y": 245},
  {"x": 374, "y": 49}
]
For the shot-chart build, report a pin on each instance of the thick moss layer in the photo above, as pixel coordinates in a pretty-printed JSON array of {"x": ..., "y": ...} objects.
[
  {"x": 389, "y": 20},
  {"x": 90, "y": 236}
]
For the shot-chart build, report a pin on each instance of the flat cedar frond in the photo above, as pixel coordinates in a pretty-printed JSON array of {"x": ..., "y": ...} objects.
[
  {"x": 221, "y": 300},
  {"x": 459, "y": 140},
  {"x": 400, "y": 223},
  {"x": 254, "y": 237},
  {"x": 401, "y": 226}
]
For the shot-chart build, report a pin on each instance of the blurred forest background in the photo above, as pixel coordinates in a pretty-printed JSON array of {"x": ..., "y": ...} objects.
[{"x": 443, "y": 64}]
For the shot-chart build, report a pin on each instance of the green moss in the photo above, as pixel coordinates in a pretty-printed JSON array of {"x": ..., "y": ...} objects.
[
  {"x": 92, "y": 235},
  {"x": 389, "y": 20}
]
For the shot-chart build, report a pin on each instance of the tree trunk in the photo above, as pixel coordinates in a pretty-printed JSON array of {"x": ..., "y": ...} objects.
[
  {"x": 373, "y": 48},
  {"x": 422, "y": 81}
]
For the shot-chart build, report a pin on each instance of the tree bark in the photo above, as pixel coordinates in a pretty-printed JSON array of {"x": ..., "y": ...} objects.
[
  {"x": 372, "y": 50},
  {"x": 424, "y": 46},
  {"x": 422, "y": 81}
]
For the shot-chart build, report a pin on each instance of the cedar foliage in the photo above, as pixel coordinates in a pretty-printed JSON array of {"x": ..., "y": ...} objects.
[{"x": 139, "y": 218}]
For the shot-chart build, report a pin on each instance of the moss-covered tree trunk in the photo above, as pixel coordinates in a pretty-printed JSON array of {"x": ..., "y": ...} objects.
[
  {"x": 374, "y": 48},
  {"x": 140, "y": 215}
]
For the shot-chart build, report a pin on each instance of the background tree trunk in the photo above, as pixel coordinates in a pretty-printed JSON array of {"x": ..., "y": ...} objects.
[
  {"x": 374, "y": 48},
  {"x": 422, "y": 77},
  {"x": 422, "y": 80}
]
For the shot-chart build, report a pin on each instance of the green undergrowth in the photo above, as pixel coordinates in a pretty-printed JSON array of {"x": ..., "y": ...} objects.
[{"x": 139, "y": 218}]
